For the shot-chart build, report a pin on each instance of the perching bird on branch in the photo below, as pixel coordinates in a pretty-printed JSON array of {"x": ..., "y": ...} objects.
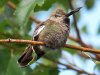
[{"x": 54, "y": 32}]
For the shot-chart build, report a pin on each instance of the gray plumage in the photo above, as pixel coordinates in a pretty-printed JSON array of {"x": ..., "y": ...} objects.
[{"x": 54, "y": 32}]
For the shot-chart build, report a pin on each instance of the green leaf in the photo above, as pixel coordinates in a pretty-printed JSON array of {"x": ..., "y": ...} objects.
[
  {"x": 78, "y": 73},
  {"x": 4, "y": 2},
  {"x": 47, "y": 61},
  {"x": 53, "y": 71},
  {"x": 40, "y": 2},
  {"x": 97, "y": 66},
  {"x": 89, "y": 3},
  {"x": 15, "y": 1},
  {"x": 98, "y": 32},
  {"x": 5, "y": 56},
  {"x": 45, "y": 70},
  {"x": 40, "y": 70},
  {"x": 24, "y": 10},
  {"x": 9, "y": 35},
  {"x": 63, "y": 3},
  {"x": 53, "y": 55},
  {"x": 8, "y": 64},
  {"x": 70, "y": 50},
  {"x": 84, "y": 29},
  {"x": 3, "y": 24},
  {"x": 47, "y": 4},
  {"x": 14, "y": 69}
]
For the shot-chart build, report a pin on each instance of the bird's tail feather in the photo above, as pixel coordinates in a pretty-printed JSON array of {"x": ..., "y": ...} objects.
[
  {"x": 27, "y": 57},
  {"x": 30, "y": 55}
]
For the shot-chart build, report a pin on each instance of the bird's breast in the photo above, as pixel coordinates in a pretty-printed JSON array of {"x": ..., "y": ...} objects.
[{"x": 54, "y": 37}]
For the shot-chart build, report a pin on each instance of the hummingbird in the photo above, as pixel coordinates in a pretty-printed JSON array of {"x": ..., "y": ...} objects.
[{"x": 54, "y": 32}]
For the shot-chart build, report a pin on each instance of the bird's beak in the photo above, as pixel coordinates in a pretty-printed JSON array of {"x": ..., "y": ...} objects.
[{"x": 73, "y": 11}]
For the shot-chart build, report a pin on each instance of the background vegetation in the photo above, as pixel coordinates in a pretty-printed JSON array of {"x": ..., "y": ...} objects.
[{"x": 16, "y": 18}]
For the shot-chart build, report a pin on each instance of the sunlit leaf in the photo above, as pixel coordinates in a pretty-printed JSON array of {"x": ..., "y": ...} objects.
[{"x": 24, "y": 10}]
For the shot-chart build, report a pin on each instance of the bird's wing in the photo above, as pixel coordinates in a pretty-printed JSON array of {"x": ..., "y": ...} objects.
[
  {"x": 30, "y": 55},
  {"x": 37, "y": 32},
  {"x": 35, "y": 38}
]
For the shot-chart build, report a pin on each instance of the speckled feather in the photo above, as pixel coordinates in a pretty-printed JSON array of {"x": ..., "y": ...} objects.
[
  {"x": 56, "y": 30},
  {"x": 53, "y": 32}
]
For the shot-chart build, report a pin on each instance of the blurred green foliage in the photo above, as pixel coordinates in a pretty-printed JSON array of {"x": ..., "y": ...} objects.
[
  {"x": 84, "y": 29},
  {"x": 89, "y": 3},
  {"x": 16, "y": 24},
  {"x": 98, "y": 31}
]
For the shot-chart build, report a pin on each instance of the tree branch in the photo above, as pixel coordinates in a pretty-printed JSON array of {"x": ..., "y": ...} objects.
[
  {"x": 75, "y": 22},
  {"x": 80, "y": 42},
  {"x": 21, "y": 41},
  {"x": 71, "y": 66},
  {"x": 87, "y": 46},
  {"x": 12, "y": 5},
  {"x": 85, "y": 49},
  {"x": 42, "y": 43},
  {"x": 35, "y": 19}
]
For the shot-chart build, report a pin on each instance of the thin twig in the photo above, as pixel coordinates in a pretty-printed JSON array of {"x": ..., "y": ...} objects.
[
  {"x": 35, "y": 19},
  {"x": 42, "y": 43},
  {"x": 75, "y": 22},
  {"x": 21, "y": 41},
  {"x": 85, "y": 49},
  {"x": 80, "y": 42},
  {"x": 76, "y": 68},
  {"x": 71, "y": 66},
  {"x": 12, "y": 5}
]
